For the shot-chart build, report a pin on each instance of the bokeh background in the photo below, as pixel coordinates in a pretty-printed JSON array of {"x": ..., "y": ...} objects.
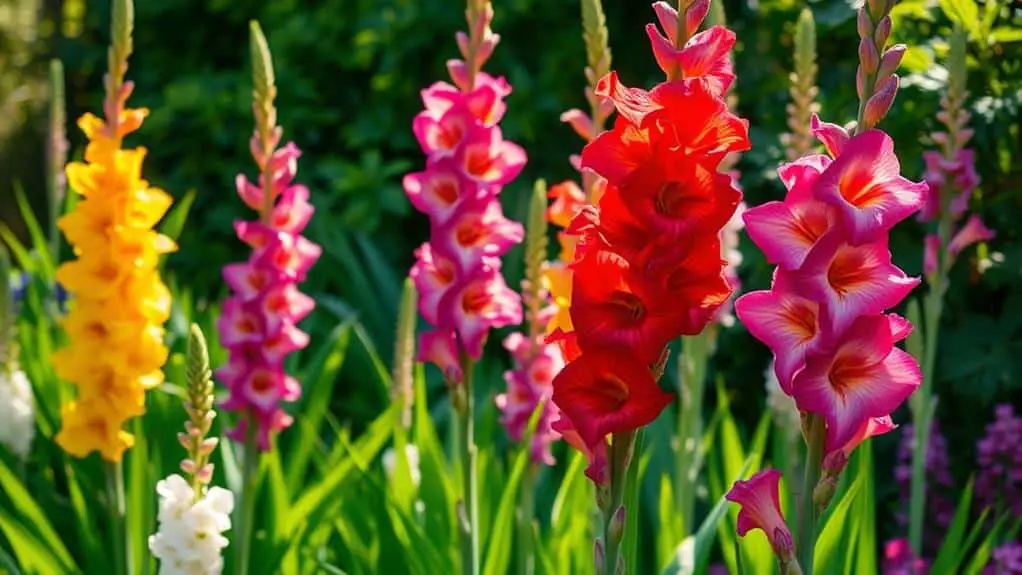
[{"x": 349, "y": 74}]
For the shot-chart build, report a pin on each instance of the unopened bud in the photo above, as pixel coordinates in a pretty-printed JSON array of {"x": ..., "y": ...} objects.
[
  {"x": 824, "y": 491},
  {"x": 599, "y": 556},
  {"x": 486, "y": 49},
  {"x": 188, "y": 466},
  {"x": 185, "y": 440},
  {"x": 462, "y": 39},
  {"x": 580, "y": 122},
  {"x": 860, "y": 80},
  {"x": 868, "y": 56},
  {"x": 205, "y": 475},
  {"x": 876, "y": 8},
  {"x": 864, "y": 24},
  {"x": 890, "y": 61},
  {"x": 459, "y": 73},
  {"x": 882, "y": 32},
  {"x": 880, "y": 102},
  {"x": 697, "y": 12},
  {"x": 668, "y": 18},
  {"x": 616, "y": 528},
  {"x": 208, "y": 445}
]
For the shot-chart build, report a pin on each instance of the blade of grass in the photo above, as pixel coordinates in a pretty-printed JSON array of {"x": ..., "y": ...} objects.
[{"x": 33, "y": 518}]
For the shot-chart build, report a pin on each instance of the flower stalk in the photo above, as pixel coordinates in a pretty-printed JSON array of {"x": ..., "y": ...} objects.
[
  {"x": 816, "y": 437},
  {"x": 611, "y": 498},
  {"x": 468, "y": 507},
  {"x": 115, "y": 506},
  {"x": 949, "y": 193},
  {"x": 799, "y": 141},
  {"x": 56, "y": 155}
]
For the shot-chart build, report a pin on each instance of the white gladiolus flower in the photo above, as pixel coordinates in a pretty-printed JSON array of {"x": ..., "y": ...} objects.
[
  {"x": 190, "y": 536},
  {"x": 411, "y": 455},
  {"x": 17, "y": 413}
]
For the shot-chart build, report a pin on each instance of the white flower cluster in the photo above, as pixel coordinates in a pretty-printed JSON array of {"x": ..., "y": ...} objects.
[
  {"x": 190, "y": 537},
  {"x": 17, "y": 415}
]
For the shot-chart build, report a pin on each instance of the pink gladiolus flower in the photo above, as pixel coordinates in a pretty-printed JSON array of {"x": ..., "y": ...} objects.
[
  {"x": 974, "y": 231},
  {"x": 759, "y": 497},
  {"x": 457, "y": 273},
  {"x": 823, "y": 317},
  {"x": 706, "y": 54},
  {"x": 258, "y": 323},
  {"x": 528, "y": 385},
  {"x": 865, "y": 377},
  {"x": 865, "y": 184}
]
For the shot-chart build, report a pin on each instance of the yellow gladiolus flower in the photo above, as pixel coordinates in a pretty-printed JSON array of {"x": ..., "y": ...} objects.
[
  {"x": 115, "y": 325},
  {"x": 557, "y": 281}
]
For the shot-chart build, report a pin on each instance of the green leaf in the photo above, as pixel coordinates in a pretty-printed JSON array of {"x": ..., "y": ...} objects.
[
  {"x": 33, "y": 555},
  {"x": 633, "y": 482},
  {"x": 33, "y": 520},
  {"x": 39, "y": 241},
  {"x": 965, "y": 13},
  {"x": 319, "y": 379},
  {"x": 174, "y": 222},
  {"x": 498, "y": 552},
  {"x": 832, "y": 544},
  {"x": 141, "y": 490},
  {"x": 1005, "y": 34},
  {"x": 670, "y": 529},
  {"x": 329, "y": 488},
  {"x": 96, "y": 560},
  {"x": 7, "y": 562},
  {"x": 952, "y": 552}
]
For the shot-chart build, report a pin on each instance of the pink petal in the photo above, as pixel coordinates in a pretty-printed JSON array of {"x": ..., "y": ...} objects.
[
  {"x": 849, "y": 281},
  {"x": 487, "y": 158},
  {"x": 477, "y": 229},
  {"x": 667, "y": 15},
  {"x": 442, "y": 135},
  {"x": 633, "y": 104},
  {"x": 293, "y": 210},
  {"x": 800, "y": 176},
  {"x": 832, "y": 136},
  {"x": 249, "y": 193},
  {"x": 708, "y": 54},
  {"x": 974, "y": 231},
  {"x": 865, "y": 185},
  {"x": 477, "y": 304},
  {"x": 247, "y": 281},
  {"x": 759, "y": 497},
  {"x": 239, "y": 323},
  {"x": 437, "y": 190},
  {"x": 286, "y": 340},
  {"x": 433, "y": 274},
  {"x": 786, "y": 323},
  {"x": 597, "y": 456},
  {"x": 865, "y": 377},
  {"x": 440, "y": 348},
  {"x": 580, "y": 122}
]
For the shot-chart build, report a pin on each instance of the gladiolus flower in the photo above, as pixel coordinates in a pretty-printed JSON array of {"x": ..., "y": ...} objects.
[
  {"x": 759, "y": 497},
  {"x": 115, "y": 332},
  {"x": 457, "y": 273},
  {"x": 529, "y": 384},
  {"x": 258, "y": 323}
]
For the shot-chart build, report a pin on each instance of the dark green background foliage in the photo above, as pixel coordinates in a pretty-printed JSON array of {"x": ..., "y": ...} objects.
[{"x": 349, "y": 73}]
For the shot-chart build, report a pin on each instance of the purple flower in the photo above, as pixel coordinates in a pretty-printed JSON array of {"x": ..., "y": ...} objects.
[
  {"x": 999, "y": 459},
  {"x": 899, "y": 560},
  {"x": 1005, "y": 560}
]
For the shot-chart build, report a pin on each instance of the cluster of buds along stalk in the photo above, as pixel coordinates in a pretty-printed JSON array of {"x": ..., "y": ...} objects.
[
  {"x": 875, "y": 79},
  {"x": 199, "y": 407}
]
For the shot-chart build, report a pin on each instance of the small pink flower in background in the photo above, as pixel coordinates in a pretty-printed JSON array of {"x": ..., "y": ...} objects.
[
  {"x": 457, "y": 273},
  {"x": 258, "y": 323},
  {"x": 529, "y": 384},
  {"x": 759, "y": 497},
  {"x": 899, "y": 560}
]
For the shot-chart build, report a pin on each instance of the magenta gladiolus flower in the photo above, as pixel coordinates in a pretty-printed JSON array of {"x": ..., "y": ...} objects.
[
  {"x": 258, "y": 323},
  {"x": 704, "y": 55},
  {"x": 759, "y": 497},
  {"x": 529, "y": 384},
  {"x": 824, "y": 315},
  {"x": 457, "y": 273}
]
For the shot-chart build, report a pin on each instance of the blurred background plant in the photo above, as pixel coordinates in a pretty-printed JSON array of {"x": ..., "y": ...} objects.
[{"x": 353, "y": 70}]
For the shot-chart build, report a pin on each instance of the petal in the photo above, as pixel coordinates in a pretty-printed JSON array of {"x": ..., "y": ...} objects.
[
  {"x": 759, "y": 497},
  {"x": 931, "y": 253},
  {"x": 849, "y": 281},
  {"x": 800, "y": 176},
  {"x": 865, "y": 377},
  {"x": 865, "y": 185},
  {"x": 787, "y": 232},
  {"x": 974, "y": 231},
  {"x": 633, "y": 104},
  {"x": 478, "y": 303},
  {"x": 477, "y": 229},
  {"x": 832, "y": 136},
  {"x": 786, "y": 323},
  {"x": 440, "y": 348},
  {"x": 615, "y": 154},
  {"x": 433, "y": 274},
  {"x": 597, "y": 456},
  {"x": 606, "y": 392}
]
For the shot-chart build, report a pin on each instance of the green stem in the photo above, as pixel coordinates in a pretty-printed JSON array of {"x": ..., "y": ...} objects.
[
  {"x": 619, "y": 455},
  {"x": 692, "y": 385},
  {"x": 115, "y": 500},
  {"x": 807, "y": 526},
  {"x": 470, "y": 503},
  {"x": 526, "y": 512},
  {"x": 246, "y": 511}
]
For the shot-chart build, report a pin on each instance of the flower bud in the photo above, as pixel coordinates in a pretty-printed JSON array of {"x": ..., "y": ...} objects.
[
  {"x": 860, "y": 80},
  {"x": 188, "y": 466},
  {"x": 616, "y": 529},
  {"x": 603, "y": 496},
  {"x": 208, "y": 445},
  {"x": 880, "y": 102},
  {"x": 824, "y": 491},
  {"x": 185, "y": 440},
  {"x": 486, "y": 49},
  {"x": 462, "y": 40},
  {"x": 883, "y": 31},
  {"x": 599, "y": 556},
  {"x": 205, "y": 475},
  {"x": 868, "y": 56},
  {"x": 580, "y": 122},
  {"x": 864, "y": 24},
  {"x": 890, "y": 61},
  {"x": 459, "y": 73},
  {"x": 697, "y": 12},
  {"x": 668, "y": 18}
]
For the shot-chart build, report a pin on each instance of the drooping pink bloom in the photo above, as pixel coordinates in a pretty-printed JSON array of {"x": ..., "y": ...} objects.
[
  {"x": 836, "y": 460},
  {"x": 258, "y": 323},
  {"x": 529, "y": 384},
  {"x": 457, "y": 273},
  {"x": 759, "y": 497}
]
